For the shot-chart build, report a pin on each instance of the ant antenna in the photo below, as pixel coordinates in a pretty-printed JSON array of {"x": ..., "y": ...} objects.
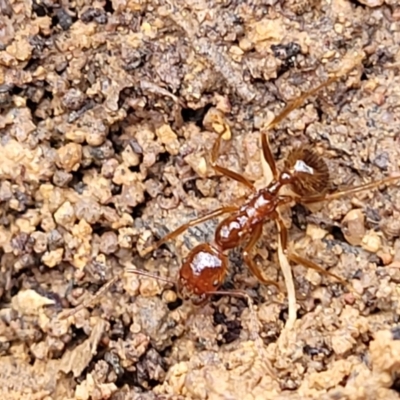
[
  {"x": 68, "y": 313},
  {"x": 149, "y": 275}
]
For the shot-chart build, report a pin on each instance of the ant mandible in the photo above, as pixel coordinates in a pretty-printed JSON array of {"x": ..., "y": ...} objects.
[{"x": 305, "y": 172}]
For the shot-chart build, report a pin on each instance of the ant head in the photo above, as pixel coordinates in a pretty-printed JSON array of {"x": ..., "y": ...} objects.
[
  {"x": 202, "y": 272},
  {"x": 307, "y": 170}
]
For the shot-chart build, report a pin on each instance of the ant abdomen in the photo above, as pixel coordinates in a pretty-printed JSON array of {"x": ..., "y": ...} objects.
[
  {"x": 309, "y": 171},
  {"x": 203, "y": 270}
]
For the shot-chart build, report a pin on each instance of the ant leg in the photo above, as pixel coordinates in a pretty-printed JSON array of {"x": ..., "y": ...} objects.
[
  {"x": 227, "y": 172},
  {"x": 269, "y": 158},
  {"x": 303, "y": 261},
  {"x": 344, "y": 192},
  {"x": 309, "y": 264},
  {"x": 182, "y": 228},
  {"x": 249, "y": 260},
  {"x": 293, "y": 105},
  {"x": 280, "y": 117},
  {"x": 296, "y": 103}
]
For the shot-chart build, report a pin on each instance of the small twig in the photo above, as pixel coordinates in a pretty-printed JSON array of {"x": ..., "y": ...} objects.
[
  {"x": 68, "y": 313},
  {"x": 288, "y": 276},
  {"x": 283, "y": 261}
]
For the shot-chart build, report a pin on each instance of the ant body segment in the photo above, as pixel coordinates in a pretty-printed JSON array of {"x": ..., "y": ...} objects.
[{"x": 305, "y": 172}]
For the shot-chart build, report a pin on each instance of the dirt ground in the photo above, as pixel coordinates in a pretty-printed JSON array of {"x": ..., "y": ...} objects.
[{"x": 105, "y": 143}]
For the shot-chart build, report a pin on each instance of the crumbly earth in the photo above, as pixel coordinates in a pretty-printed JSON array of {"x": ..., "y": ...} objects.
[{"x": 109, "y": 110}]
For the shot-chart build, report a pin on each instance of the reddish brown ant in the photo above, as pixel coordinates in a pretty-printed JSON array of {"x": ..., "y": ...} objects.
[{"x": 305, "y": 172}]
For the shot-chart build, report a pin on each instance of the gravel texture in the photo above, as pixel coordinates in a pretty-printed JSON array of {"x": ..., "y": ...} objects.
[{"x": 109, "y": 110}]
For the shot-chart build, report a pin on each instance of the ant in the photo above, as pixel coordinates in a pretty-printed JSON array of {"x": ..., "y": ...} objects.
[
  {"x": 305, "y": 172},
  {"x": 204, "y": 269}
]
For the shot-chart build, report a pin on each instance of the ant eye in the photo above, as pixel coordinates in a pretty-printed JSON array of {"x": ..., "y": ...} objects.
[{"x": 216, "y": 282}]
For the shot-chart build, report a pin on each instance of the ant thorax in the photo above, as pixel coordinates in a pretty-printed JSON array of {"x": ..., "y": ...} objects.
[{"x": 233, "y": 230}]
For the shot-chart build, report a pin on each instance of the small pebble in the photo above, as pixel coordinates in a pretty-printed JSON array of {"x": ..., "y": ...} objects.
[{"x": 371, "y": 242}]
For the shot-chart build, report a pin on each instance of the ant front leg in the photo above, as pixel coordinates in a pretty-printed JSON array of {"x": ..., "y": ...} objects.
[
  {"x": 224, "y": 171},
  {"x": 249, "y": 259}
]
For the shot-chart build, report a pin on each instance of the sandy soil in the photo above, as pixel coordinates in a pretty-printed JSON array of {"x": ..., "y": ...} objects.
[{"x": 105, "y": 143}]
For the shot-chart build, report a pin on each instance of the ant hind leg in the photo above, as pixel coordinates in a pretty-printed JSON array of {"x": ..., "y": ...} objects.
[{"x": 348, "y": 191}]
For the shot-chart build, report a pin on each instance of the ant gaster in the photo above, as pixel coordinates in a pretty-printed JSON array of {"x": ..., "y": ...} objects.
[{"x": 305, "y": 172}]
